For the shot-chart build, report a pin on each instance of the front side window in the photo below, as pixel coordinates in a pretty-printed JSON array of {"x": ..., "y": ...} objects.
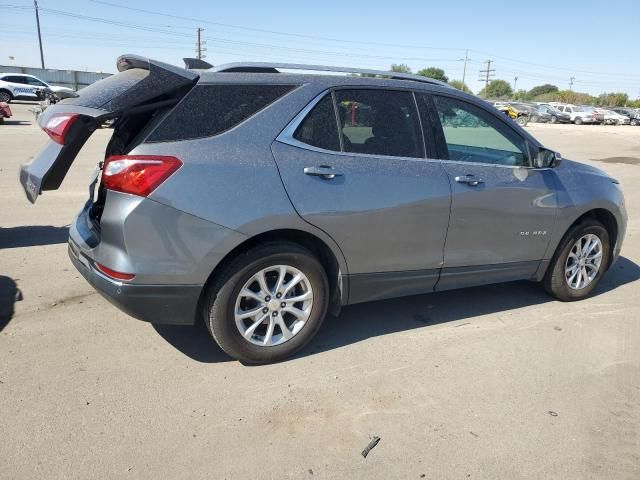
[
  {"x": 473, "y": 135},
  {"x": 35, "y": 82},
  {"x": 319, "y": 128},
  {"x": 379, "y": 122}
]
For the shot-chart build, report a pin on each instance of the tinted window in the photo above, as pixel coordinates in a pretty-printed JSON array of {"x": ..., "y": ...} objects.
[
  {"x": 34, "y": 82},
  {"x": 212, "y": 109},
  {"x": 379, "y": 122},
  {"x": 319, "y": 128},
  {"x": 16, "y": 79},
  {"x": 473, "y": 135}
]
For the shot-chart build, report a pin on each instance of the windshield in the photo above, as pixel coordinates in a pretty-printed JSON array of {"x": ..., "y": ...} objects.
[{"x": 577, "y": 109}]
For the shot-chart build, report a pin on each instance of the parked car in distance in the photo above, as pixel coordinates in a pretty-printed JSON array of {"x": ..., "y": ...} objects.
[
  {"x": 536, "y": 115},
  {"x": 19, "y": 86},
  {"x": 613, "y": 118},
  {"x": 556, "y": 115},
  {"x": 577, "y": 114},
  {"x": 282, "y": 202},
  {"x": 595, "y": 113},
  {"x": 632, "y": 113},
  {"x": 518, "y": 115}
]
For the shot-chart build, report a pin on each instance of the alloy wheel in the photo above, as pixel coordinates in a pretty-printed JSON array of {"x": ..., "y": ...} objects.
[
  {"x": 583, "y": 262},
  {"x": 273, "y": 305}
]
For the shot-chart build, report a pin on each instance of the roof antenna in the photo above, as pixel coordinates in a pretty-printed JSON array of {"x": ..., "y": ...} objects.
[{"x": 196, "y": 64}]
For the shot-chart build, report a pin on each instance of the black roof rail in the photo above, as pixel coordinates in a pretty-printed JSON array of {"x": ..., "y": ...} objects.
[{"x": 268, "y": 67}]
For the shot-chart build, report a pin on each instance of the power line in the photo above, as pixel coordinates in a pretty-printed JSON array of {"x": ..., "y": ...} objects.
[{"x": 489, "y": 72}]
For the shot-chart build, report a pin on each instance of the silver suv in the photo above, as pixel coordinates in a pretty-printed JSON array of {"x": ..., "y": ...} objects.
[{"x": 260, "y": 200}]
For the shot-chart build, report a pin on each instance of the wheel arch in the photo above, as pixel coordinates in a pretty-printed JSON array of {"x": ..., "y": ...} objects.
[
  {"x": 606, "y": 218},
  {"x": 322, "y": 251}
]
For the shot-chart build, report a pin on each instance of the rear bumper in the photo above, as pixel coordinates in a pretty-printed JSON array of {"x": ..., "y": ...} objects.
[{"x": 162, "y": 304}]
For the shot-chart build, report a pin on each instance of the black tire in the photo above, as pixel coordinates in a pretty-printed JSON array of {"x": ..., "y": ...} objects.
[
  {"x": 535, "y": 119},
  {"x": 554, "y": 119},
  {"x": 226, "y": 287},
  {"x": 5, "y": 96},
  {"x": 522, "y": 121},
  {"x": 554, "y": 281},
  {"x": 578, "y": 121},
  {"x": 633, "y": 122}
]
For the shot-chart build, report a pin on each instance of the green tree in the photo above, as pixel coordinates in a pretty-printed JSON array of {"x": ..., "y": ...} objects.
[
  {"x": 542, "y": 89},
  {"x": 435, "y": 73},
  {"x": 613, "y": 99},
  {"x": 497, "y": 89},
  {"x": 400, "y": 68},
  {"x": 521, "y": 94},
  {"x": 460, "y": 86}
]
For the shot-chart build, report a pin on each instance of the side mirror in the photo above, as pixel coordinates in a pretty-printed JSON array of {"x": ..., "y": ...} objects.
[{"x": 547, "y": 158}]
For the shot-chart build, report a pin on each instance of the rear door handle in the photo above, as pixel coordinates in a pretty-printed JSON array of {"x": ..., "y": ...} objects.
[
  {"x": 324, "y": 171},
  {"x": 471, "y": 180}
]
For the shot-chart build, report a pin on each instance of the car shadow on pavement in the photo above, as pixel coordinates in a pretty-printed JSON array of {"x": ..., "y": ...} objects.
[
  {"x": 194, "y": 341},
  {"x": 32, "y": 235},
  {"x": 16, "y": 122},
  {"x": 357, "y": 323},
  {"x": 9, "y": 295}
]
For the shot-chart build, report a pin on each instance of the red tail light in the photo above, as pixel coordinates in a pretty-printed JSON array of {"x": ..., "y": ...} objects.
[
  {"x": 137, "y": 174},
  {"x": 58, "y": 126},
  {"x": 113, "y": 274}
]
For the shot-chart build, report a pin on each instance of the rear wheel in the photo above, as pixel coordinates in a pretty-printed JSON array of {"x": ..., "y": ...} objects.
[
  {"x": 554, "y": 119},
  {"x": 579, "y": 262},
  {"x": 633, "y": 122},
  {"x": 268, "y": 303},
  {"x": 5, "y": 96},
  {"x": 522, "y": 121}
]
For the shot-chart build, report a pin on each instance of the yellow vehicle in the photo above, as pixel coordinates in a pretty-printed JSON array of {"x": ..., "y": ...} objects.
[{"x": 520, "y": 116}]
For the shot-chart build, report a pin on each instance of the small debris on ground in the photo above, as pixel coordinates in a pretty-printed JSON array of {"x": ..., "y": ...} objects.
[
  {"x": 552, "y": 413},
  {"x": 474, "y": 434},
  {"x": 372, "y": 444},
  {"x": 558, "y": 329}
]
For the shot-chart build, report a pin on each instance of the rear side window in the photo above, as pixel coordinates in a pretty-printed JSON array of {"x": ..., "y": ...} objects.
[
  {"x": 379, "y": 122},
  {"x": 209, "y": 110},
  {"x": 319, "y": 128}
]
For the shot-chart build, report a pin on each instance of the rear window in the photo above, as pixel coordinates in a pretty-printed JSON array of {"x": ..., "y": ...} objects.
[
  {"x": 209, "y": 110},
  {"x": 320, "y": 127}
]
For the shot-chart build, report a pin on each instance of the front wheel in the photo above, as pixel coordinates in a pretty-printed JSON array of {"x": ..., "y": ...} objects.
[
  {"x": 579, "y": 262},
  {"x": 578, "y": 121},
  {"x": 633, "y": 122},
  {"x": 268, "y": 303},
  {"x": 554, "y": 119}
]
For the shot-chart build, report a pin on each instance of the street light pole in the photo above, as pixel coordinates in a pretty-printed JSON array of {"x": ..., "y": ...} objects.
[{"x": 35, "y": 4}]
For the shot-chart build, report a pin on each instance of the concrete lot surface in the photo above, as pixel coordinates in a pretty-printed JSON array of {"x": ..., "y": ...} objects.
[{"x": 497, "y": 382}]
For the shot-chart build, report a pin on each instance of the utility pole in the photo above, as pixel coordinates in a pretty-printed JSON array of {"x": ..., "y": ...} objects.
[
  {"x": 464, "y": 68},
  {"x": 35, "y": 4},
  {"x": 515, "y": 81},
  {"x": 488, "y": 73},
  {"x": 199, "y": 43},
  {"x": 571, "y": 79}
]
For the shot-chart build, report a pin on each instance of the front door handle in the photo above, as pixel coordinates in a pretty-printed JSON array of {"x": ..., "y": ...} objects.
[
  {"x": 324, "y": 171},
  {"x": 469, "y": 180}
]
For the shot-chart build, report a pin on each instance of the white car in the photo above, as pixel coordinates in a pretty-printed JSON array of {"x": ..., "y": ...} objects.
[
  {"x": 613, "y": 118},
  {"x": 19, "y": 86},
  {"x": 578, "y": 114}
]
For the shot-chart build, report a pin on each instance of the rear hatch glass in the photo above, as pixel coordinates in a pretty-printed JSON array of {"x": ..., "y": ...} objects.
[{"x": 133, "y": 96}]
